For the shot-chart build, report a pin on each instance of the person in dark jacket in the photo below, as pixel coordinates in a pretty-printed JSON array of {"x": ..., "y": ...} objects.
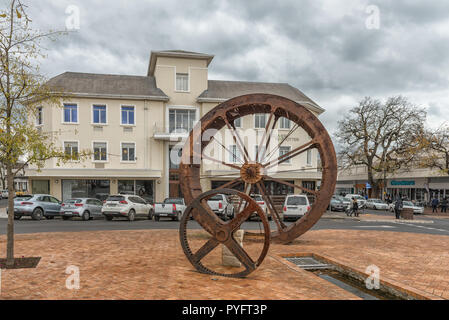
[
  {"x": 435, "y": 205},
  {"x": 398, "y": 207},
  {"x": 444, "y": 205}
]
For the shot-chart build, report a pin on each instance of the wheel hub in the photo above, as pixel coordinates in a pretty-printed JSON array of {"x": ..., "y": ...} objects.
[{"x": 251, "y": 172}]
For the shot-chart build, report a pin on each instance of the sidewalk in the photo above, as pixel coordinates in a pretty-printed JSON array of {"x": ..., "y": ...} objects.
[
  {"x": 374, "y": 218},
  {"x": 150, "y": 264}
]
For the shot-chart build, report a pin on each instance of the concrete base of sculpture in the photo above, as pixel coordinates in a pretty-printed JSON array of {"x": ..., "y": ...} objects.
[{"x": 228, "y": 259}]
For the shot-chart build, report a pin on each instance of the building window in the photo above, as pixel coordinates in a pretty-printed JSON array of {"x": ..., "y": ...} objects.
[
  {"x": 259, "y": 156},
  {"x": 284, "y": 123},
  {"x": 181, "y": 120},
  {"x": 128, "y": 152},
  {"x": 260, "y": 120},
  {"x": 309, "y": 157},
  {"x": 70, "y": 113},
  {"x": 100, "y": 151},
  {"x": 99, "y": 114},
  {"x": 71, "y": 149},
  {"x": 284, "y": 150},
  {"x": 40, "y": 186},
  {"x": 128, "y": 115},
  {"x": 234, "y": 157},
  {"x": 238, "y": 123},
  {"x": 182, "y": 82},
  {"x": 39, "y": 117}
]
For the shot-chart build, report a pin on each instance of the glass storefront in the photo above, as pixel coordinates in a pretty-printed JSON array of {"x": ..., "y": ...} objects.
[
  {"x": 99, "y": 189},
  {"x": 142, "y": 188}
]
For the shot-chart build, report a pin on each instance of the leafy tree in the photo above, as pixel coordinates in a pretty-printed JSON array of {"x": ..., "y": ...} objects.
[
  {"x": 22, "y": 90},
  {"x": 381, "y": 137},
  {"x": 434, "y": 149}
]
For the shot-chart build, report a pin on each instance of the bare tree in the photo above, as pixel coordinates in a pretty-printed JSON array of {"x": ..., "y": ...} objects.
[
  {"x": 22, "y": 90},
  {"x": 380, "y": 136}
]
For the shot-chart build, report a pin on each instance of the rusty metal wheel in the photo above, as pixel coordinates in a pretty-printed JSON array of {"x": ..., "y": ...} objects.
[
  {"x": 255, "y": 172},
  {"x": 221, "y": 232}
]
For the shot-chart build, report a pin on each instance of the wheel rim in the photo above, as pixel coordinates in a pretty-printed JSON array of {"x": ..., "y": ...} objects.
[{"x": 249, "y": 172}]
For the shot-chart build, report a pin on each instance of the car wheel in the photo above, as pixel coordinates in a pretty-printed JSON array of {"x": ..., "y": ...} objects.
[
  {"x": 150, "y": 215},
  {"x": 179, "y": 216},
  {"x": 37, "y": 214},
  {"x": 86, "y": 216},
  {"x": 157, "y": 218},
  {"x": 109, "y": 218},
  {"x": 17, "y": 217},
  {"x": 131, "y": 215}
]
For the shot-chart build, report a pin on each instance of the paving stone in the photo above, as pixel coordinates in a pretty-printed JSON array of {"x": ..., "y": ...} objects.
[{"x": 150, "y": 264}]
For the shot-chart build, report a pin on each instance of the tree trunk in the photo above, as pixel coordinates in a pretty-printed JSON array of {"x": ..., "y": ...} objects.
[{"x": 10, "y": 227}]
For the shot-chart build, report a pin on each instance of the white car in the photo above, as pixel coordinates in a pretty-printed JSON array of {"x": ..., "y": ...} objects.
[
  {"x": 360, "y": 200},
  {"x": 295, "y": 206},
  {"x": 376, "y": 204},
  {"x": 4, "y": 194},
  {"x": 126, "y": 206},
  {"x": 408, "y": 205}
]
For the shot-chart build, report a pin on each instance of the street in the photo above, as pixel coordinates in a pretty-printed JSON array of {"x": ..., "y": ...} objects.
[{"x": 440, "y": 226}]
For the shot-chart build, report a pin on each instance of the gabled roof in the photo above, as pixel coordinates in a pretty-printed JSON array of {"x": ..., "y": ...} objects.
[
  {"x": 176, "y": 54},
  {"x": 107, "y": 85},
  {"x": 219, "y": 91}
]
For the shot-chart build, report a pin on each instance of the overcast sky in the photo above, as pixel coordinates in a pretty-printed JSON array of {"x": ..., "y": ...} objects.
[{"x": 334, "y": 51}]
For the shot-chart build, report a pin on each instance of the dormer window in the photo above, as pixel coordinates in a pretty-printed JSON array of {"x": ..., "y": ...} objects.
[{"x": 182, "y": 82}]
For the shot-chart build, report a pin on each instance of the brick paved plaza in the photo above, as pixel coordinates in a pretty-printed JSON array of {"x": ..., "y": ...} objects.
[{"x": 151, "y": 265}]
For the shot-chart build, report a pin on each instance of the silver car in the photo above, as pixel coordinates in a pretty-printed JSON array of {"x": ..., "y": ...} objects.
[
  {"x": 85, "y": 208},
  {"x": 37, "y": 206}
]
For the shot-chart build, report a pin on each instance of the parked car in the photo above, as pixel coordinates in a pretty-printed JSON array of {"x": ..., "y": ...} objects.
[
  {"x": 295, "y": 206},
  {"x": 37, "y": 206},
  {"x": 408, "y": 204},
  {"x": 4, "y": 194},
  {"x": 261, "y": 202},
  {"x": 171, "y": 208},
  {"x": 86, "y": 208},
  {"x": 360, "y": 200},
  {"x": 376, "y": 204},
  {"x": 126, "y": 206},
  {"x": 337, "y": 204},
  {"x": 222, "y": 206}
]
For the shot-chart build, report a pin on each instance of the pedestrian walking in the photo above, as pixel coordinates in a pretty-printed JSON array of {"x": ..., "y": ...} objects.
[
  {"x": 444, "y": 204},
  {"x": 398, "y": 207},
  {"x": 355, "y": 207},
  {"x": 435, "y": 205}
]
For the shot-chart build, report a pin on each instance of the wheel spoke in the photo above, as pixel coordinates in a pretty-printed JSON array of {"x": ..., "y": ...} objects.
[
  {"x": 203, "y": 156},
  {"x": 232, "y": 154},
  {"x": 292, "y": 185},
  {"x": 263, "y": 137},
  {"x": 272, "y": 152},
  {"x": 206, "y": 218},
  {"x": 205, "y": 249},
  {"x": 241, "y": 217},
  {"x": 238, "y": 140},
  {"x": 274, "y": 214},
  {"x": 269, "y": 139},
  {"x": 230, "y": 183},
  {"x": 240, "y": 254},
  {"x": 291, "y": 154}
]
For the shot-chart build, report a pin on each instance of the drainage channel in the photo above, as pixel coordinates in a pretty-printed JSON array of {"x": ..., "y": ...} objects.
[{"x": 344, "y": 280}]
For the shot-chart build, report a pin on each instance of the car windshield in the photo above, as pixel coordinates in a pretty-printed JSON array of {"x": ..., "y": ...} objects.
[
  {"x": 217, "y": 197},
  {"x": 115, "y": 198},
  {"x": 173, "y": 200},
  {"x": 408, "y": 203},
  {"x": 257, "y": 198},
  {"x": 297, "y": 201},
  {"x": 72, "y": 201}
]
